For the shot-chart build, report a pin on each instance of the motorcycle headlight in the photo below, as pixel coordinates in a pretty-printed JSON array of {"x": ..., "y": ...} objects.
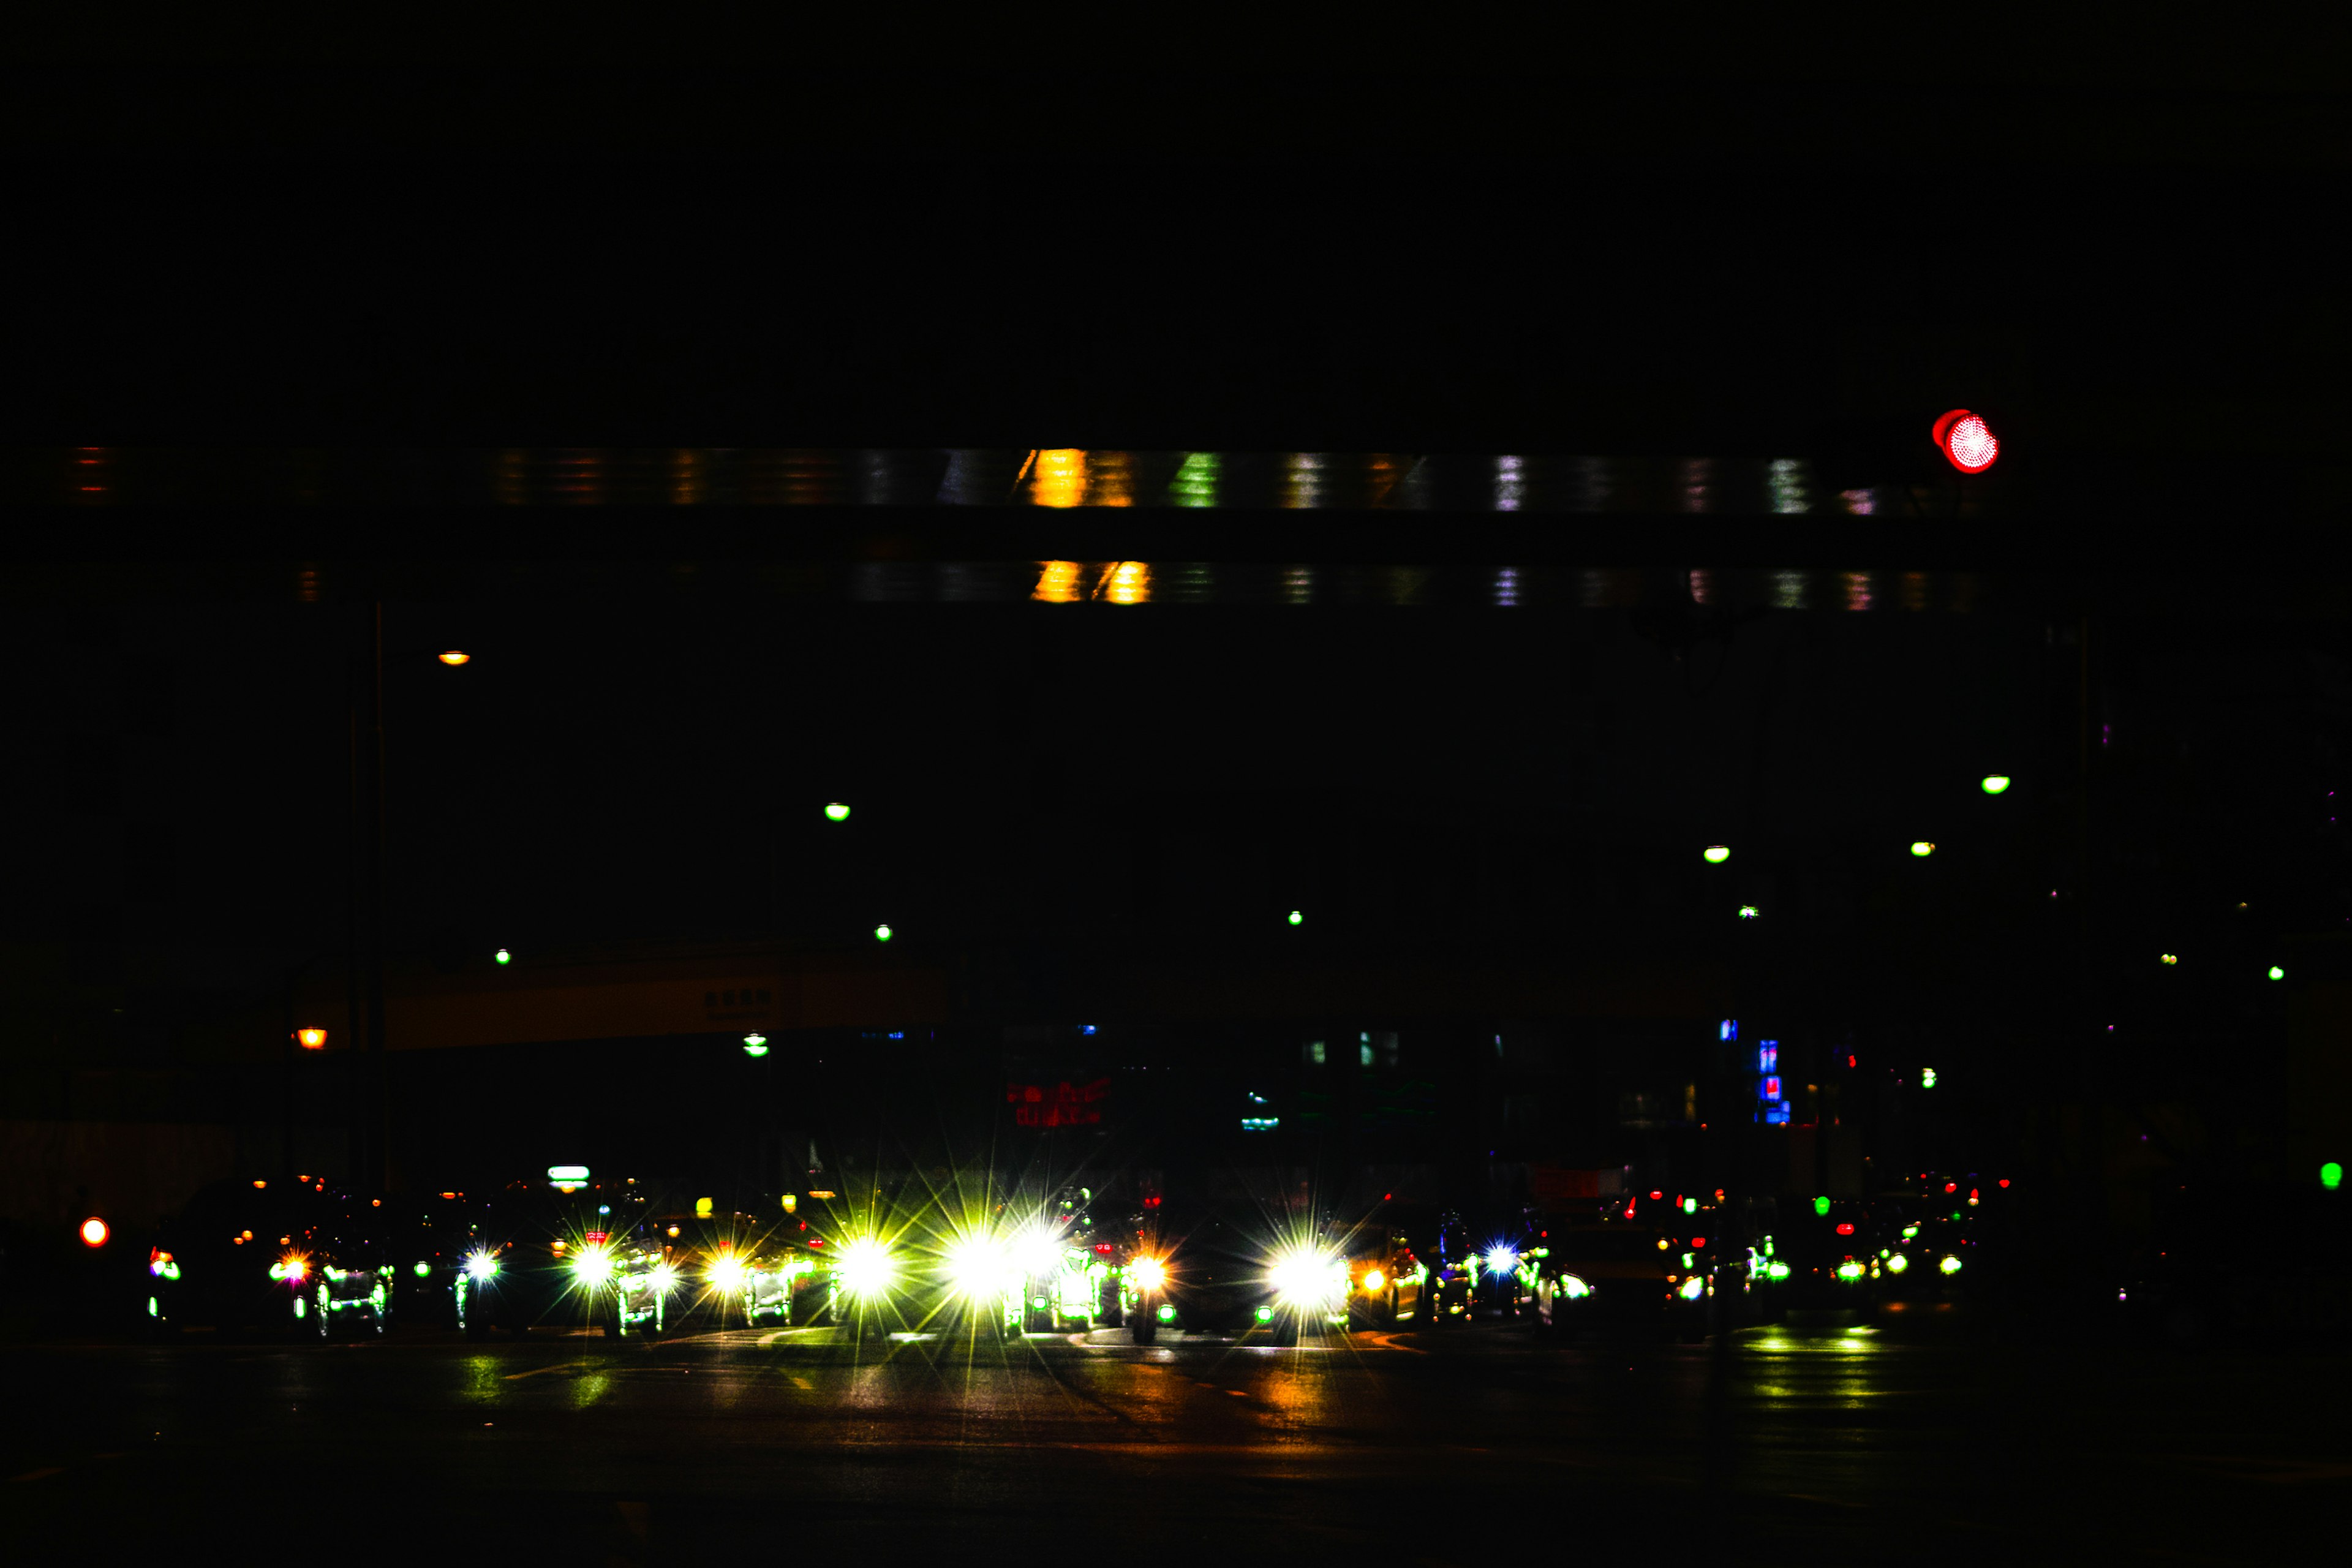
[
  {"x": 1306, "y": 1278},
  {"x": 864, "y": 1267},
  {"x": 980, "y": 1267}
]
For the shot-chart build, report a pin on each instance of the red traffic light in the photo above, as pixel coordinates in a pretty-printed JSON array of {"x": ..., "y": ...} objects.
[{"x": 1967, "y": 441}]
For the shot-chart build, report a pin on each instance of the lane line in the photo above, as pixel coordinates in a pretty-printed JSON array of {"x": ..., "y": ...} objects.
[{"x": 542, "y": 1371}]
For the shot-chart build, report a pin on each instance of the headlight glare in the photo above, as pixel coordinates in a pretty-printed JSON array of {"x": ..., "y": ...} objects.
[
  {"x": 864, "y": 1267},
  {"x": 593, "y": 1267},
  {"x": 481, "y": 1266},
  {"x": 1148, "y": 1273},
  {"x": 1305, "y": 1277},
  {"x": 726, "y": 1274}
]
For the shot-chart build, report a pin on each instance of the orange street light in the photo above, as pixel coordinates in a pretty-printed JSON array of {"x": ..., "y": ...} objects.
[
  {"x": 312, "y": 1039},
  {"x": 453, "y": 657}
]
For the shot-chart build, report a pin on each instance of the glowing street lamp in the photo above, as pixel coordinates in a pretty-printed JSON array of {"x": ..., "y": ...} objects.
[
  {"x": 94, "y": 1232},
  {"x": 311, "y": 1040},
  {"x": 454, "y": 658}
]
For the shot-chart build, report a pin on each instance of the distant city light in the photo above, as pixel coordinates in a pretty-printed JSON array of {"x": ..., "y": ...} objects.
[
  {"x": 1922, "y": 848},
  {"x": 836, "y": 811},
  {"x": 1717, "y": 854},
  {"x": 882, "y": 934},
  {"x": 2331, "y": 1175},
  {"x": 755, "y": 1044},
  {"x": 504, "y": 956},
  {"x": 1926, "y": 1078},
  {"x": 1993, "y": 783},
  {"x": 455, "y": 658},
  {"x": 2277, "y": 973}
]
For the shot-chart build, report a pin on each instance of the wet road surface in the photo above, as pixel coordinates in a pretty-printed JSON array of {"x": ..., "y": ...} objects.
[{"x": 1788, "y": 1446}]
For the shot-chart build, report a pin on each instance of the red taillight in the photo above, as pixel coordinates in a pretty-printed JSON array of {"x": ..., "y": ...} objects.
[
  {"x": 1697, "y": 1242},
  {"x": 1951, "y": 1186},
  {"x": 1846, "y": 1229},
  {"x": 1966, "y": 441}
]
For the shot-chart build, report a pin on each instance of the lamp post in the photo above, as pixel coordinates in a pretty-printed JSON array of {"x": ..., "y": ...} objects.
[{"x": 371, "y": 1109}]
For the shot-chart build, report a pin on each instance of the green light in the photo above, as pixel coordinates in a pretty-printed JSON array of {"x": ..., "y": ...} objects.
[
  {"x": 1922, "y": 848},
  {"x": 423, "y": 1269},
  {"x": 504, "y": 956},
  {"x": 1296, "y": 918},
  {"x": 1926, "y": 1078},
  {"x": 836, "y": 811},
  {"x": 1167, "y": 1313},
  {"x": 2331, "y": 1175},
  {"x": 1993, "y": 783},
  {"x": 152, "y": 1309},
  {"x": 755, "y": 1044},
  {"x": 1690, "y": 1205},
  {"x": 2277, "y": 973},
  {"x": 1195, "y": 483},
  {"x": 1849, "y": 1270},
  {"x": 1266, "y": 1314},
  {"x": 1688, "y": 1260},
  {"x": 1717, "y": 854},
  {"x": 1775, "y": 1269},
  {"x": 882, "y": 934},
  {"x": 1821, "y": 1205}
]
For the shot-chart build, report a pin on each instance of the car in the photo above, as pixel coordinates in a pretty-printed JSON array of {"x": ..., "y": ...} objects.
[
  {"x": 1203, "y": 1270},
  {"x": 299, "y": 1256},
  {"x": 1462, "y": 1278},
  {"x": 735, "y": 1270},
  {"x": 1385, "y": 1278},
  {"x": 568, "y": 1254},
  {"x": 1625, "y": 1275}
]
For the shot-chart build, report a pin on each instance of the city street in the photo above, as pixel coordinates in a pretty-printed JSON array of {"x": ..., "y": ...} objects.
[{"x": 1832, "y": 1445}]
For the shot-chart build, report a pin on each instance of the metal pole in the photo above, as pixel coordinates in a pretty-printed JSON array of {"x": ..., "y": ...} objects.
[{"x": 377, "y": 1173}]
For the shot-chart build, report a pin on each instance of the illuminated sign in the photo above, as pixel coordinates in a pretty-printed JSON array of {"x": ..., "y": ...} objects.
[{"x": 1057, "y": 1105}]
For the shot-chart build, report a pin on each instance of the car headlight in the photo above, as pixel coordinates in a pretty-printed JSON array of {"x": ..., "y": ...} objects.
[
  {"x": 726, "y": 1274},
  {"x": 1693, "y": 1288},
  {"x": 1375, "y": 1281},
  {"x": 1306, "y": 1278},
  {"x": 1573, "y": 1287},
  {"x": 1949, "y": 1266},
  {"x": 593, "y": 1267},
  {"x": 980, "y": 1267},
  {"x": 664, "y": 1277},
  {"x": 1035, "y": 1252},
  {"x": 481, "y": 1266},
  {"x": 1148, "y": 1273},
  {"x": 1849, "y": 1270},
  {"x": 864, "y": 1267},
  {"x": 1897, "y": 1264},
  {"x": 1501, "y": 1260}
]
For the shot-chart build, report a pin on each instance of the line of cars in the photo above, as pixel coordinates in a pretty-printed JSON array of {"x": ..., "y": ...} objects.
[{"x": 645, "y": 1258}]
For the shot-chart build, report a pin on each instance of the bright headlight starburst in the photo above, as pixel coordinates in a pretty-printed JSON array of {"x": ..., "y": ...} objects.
[
  {"x": 1501, "y": 1260},
  {"x": 726, "y": 1273},
  {"x": 980, "y": 1267},
  {"x": 864, "y": 1267},
  {"x": 481, "y": 1266},
  {"x": 593, "y": 1267},
  {"x": 1148, "y": 1273},
  {"x": 1035, "y": 1252},
  {"x": 1306, "y": 1278},
  {"x": 664, "y": 1277}
]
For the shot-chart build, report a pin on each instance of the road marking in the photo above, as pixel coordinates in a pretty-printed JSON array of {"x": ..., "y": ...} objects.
[
  {"x": 541, "y": 1370},
  {"x": 803, "y": 1382},
  {"x": 1388, "y": 1342},
  {"x": 45, "y": 1471}
]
